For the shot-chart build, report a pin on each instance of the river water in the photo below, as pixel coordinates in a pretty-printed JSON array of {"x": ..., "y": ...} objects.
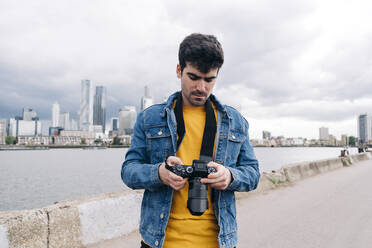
[{"x": 37, "y": 178}]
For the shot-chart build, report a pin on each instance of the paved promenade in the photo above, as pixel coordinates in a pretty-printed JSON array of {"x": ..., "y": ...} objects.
[{"x": 328, "y": 210}]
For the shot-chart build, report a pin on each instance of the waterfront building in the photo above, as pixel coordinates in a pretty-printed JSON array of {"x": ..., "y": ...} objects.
[
  {"x": 19, "y": 127},
  {"x": 28, "y": 128},
  {"x": 78, "y": 133},
  {"x": 54, "y": 131},
  {"x": 70, "y": 140},
  {"x": 76, "y": 137},
  {"x": 50, "y": 140},
  {"x": 364, "y": 128},
  {"x": 114, "y": 124},
  {"x": 86, "y": 106},
  {"x": 297, "y": 141},
  {"x": 125, "y": 139},
  {"x": 332, "y": 141},
  {"x": 55, "y": 114},
  {"x": 324, "y": 133},
  {"x": 2, "y": 132},
  {"x": 147, "y": 99},
  {"x": 34, "y": 140},
  {"x": 266, "y": 135},
  {"x": 127, "y": 119},
  {"x": 99, "y": 116},
  {"x": 96, "y": 129},
  {"x": 28, "y": 114},
  {"x": 344, "y": 140},
  {"x": 64, "y": 120}
]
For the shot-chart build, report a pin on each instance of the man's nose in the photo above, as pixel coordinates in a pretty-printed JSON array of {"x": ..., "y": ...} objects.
[{"x": 201, "y": 85}]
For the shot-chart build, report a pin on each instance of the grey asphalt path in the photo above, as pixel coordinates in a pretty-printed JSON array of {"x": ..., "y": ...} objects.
[{"x": 331, "y": 210}]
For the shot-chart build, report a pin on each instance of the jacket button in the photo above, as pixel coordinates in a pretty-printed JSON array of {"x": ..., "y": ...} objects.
[
  {"x": 233, "y": 136},
  {"x": 161, "y": 216},
  {"x": 156, "y": 243},
  {"x": 160, "y": 132}
]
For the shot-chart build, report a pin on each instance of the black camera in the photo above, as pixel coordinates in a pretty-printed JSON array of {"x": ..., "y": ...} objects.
[{"x": 197, "y": 201}]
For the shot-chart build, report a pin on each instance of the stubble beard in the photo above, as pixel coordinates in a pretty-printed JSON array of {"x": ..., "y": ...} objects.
[{"x": 195, "y": 100}]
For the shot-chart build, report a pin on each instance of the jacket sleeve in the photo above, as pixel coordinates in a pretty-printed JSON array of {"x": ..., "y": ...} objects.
[
  {"x": 246, "y": 174},
  {"x": 136, "y": 171}
]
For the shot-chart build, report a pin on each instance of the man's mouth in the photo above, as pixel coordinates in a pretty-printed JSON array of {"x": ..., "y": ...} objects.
[{"x": 199, "y": 94}]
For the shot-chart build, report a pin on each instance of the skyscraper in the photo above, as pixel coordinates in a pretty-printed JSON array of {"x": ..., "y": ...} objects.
[
  {"x": 86, "y": 106},
  {"x": 55, "y": 114},
  {"x": 114, "y": 124},
  {"x": 99, "y": 117},
  {"x": 323, "y": 133},
  {"x": 146, "y": 100},
  {"x": 2, "y": 131},
  {"x": 364, "y": 128},
  {"x": 127, "y": 119},
  {"x": 64, "y": 120},
  {"x": 266, "y": 135}
]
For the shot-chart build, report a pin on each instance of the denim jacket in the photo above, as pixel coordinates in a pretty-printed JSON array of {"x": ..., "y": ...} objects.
[{"x": 155, "y": 137}]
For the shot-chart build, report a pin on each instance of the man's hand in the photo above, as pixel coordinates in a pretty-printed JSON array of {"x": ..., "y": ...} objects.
[
  {"x": 168, "y": 177},
  {"x": 220, "y": 179}
]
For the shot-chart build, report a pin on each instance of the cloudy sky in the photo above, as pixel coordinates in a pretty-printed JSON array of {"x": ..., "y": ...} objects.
[{"x": 290, "y": 66}]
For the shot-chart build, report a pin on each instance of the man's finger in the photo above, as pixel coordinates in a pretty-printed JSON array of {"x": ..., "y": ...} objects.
[
  {"x": 172, "y": 160},
  {"x": 211, "y": 180},
  {"x": 175, "y": 177},
  {"x": 219, "y": 185},
  {"x": 216, "y": 175}
]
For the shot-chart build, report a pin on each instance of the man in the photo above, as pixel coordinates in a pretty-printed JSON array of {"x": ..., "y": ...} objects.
[{"x": 191, "y": 125}]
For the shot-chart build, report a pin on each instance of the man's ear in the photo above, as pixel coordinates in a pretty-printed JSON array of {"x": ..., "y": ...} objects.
[{"x": 178, "y": 71}]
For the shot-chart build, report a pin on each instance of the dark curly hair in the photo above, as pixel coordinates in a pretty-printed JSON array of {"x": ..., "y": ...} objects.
[{"x": 202, "y": 51}]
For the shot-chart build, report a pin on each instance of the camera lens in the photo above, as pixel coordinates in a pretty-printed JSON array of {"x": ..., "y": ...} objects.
[{"x": 197, "y": 202}]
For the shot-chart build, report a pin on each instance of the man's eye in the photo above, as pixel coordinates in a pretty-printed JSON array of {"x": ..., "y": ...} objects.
[
  {"x": 208, "y": 80},
  {"x": 193, "y": 78}
]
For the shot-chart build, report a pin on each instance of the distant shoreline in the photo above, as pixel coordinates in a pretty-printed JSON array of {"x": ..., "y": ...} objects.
[{"x": 48, "y": 147}]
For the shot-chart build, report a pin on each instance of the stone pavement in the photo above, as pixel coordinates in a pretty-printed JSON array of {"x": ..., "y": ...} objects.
[{"x": 328, "y": 210}]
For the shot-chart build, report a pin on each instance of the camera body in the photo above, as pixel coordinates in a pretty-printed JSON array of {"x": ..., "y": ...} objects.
[{"x": 197, "y": 201}]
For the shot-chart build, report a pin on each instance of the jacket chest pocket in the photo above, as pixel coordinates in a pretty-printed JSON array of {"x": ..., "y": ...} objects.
[
  {"x": 234, "y": 142},
  {"x": 159, "y": 143}
]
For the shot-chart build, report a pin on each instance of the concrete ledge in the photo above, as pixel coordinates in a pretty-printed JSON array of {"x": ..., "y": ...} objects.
[
  {"x": 64, "y": 225},
  {"x": 4, "y": 237},
  {"x": 84, "y": 222},
  {"x": 307, "y": 169},
  {"x": 26, "y": 229},
  {"x": 75, "y": 223},
  {"x": 294, "y": 172},
  {"x": 109, "y": 218},
  {"x": 361, "y": 157}
]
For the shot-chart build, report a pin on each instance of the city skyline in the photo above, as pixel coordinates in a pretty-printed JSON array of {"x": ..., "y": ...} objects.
[
  {"x": 290, "y": 67},
  {"x": 30, "y": 114},
  {"x": 146, "y": 100}
]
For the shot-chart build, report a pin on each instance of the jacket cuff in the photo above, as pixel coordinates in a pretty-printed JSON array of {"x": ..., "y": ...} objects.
[
  {"x": 155, "y": 180},
  {"x": 234, "y": 184}
]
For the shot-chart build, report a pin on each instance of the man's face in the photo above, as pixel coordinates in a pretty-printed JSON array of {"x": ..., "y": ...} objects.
[{"x": 196, "y": 86}]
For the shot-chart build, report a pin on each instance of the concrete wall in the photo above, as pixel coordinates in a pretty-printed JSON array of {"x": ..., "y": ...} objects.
[
  {"x": 80, "y": 223},
  {"x": 294, "y": 172},
  {"x": 76, "y": 223}
]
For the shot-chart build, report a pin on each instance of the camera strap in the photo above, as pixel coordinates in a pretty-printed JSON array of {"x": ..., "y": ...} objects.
[{"x": 210, "y": 127}]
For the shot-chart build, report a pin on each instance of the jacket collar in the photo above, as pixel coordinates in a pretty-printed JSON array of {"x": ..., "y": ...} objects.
[{"x": 170, "y": 101}]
